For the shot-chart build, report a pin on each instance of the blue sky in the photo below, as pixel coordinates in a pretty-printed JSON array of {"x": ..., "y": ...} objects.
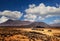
[{"x": 22, "y": 5}]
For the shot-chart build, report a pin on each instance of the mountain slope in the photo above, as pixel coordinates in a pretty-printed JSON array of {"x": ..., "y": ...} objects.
[
  {"x": 41, "y": 24},
  {"x": 15, "y": 23},
  {"x": 55, "y": 25},
  {"x": 23, "y": 23}
]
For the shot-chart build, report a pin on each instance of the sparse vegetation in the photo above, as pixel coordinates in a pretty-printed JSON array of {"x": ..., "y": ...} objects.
[
  {"x": 24, "y": 35},
  {"x": 49, "y": 30}
]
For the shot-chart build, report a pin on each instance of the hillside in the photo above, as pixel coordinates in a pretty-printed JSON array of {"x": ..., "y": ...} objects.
[{"x": 24, "y": 23}]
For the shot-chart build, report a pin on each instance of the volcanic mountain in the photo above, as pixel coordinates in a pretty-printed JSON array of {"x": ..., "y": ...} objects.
[
  {"x": 39, "y": 24},
  {"x": 23, "y": 23},
  {"x": 15, "y": 23}
]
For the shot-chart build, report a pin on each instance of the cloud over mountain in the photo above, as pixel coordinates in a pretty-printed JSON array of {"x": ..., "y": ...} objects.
[
  {"x": 13, "y": 15},
  {"x": 3, "y": 19},
  {"x": 55, "y": 21},
  {"x": 30, "y": 17},
  {"x": 42, "y": 11}
]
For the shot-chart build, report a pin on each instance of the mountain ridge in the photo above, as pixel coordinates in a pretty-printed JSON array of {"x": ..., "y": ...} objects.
[{"x": 24, "y": 23}]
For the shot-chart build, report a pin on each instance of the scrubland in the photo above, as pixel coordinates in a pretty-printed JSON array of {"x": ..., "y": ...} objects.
[{"x": 29, "y": 34}]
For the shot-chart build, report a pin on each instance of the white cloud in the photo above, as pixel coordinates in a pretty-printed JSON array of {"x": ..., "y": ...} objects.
[
  {"x": 40, "y": 18},
  {"x": 32, "y": 6},
  {"x": 30, "y": 17},
  {"x": 31, "y": 20},
  {"x": 42, "y": 11},
  {"x": 55, "y": 21},
  {"x": 57, "y": 5},
  {"x": 13, "y": 15},
  {"x": 3, "y": 19}
]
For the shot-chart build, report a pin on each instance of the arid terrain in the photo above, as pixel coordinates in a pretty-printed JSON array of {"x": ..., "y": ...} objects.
[{"x": 29, "y": 34}]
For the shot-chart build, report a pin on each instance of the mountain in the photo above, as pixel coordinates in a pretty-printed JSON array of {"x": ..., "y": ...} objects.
[
  {"x": 23, "y": 23},
  {"x": 15, "y": 23},
  {"x": 37, "y": 24},
  {"x": 55, "y": 25}
]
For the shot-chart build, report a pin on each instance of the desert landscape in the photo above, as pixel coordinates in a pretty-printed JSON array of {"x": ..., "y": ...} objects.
[
  {"x": 29, "y": 34},
  {"x": 27, "y": 31},
  {"x": 29, "y": 20}
]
